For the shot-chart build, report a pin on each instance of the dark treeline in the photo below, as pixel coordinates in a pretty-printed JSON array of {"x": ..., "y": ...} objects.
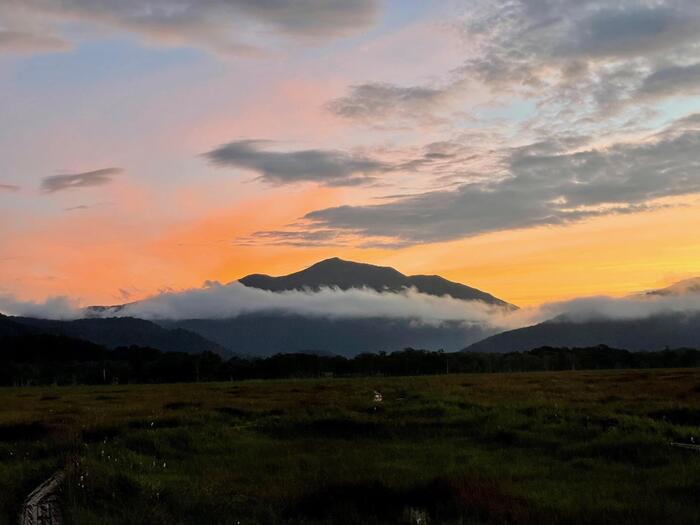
[{"x": 47, "y": 359}]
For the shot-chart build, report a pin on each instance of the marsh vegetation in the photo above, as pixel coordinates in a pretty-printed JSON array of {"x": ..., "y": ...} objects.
[{"x": 546, "y": 447}]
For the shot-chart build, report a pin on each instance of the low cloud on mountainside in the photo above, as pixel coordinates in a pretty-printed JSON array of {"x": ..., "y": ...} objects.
[
  {"x": 586, "y": 309},
  {"x": 51, "y": 308},
  {"x": 217, "y": 301}
]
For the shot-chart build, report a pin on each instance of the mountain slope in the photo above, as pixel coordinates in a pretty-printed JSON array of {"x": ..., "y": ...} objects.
[
  {"x": 342, "y": 274},
  {"x": 122, "y": 331},
  {"x": 11, "y": 328},
  {"x": 651, "y": 333}
]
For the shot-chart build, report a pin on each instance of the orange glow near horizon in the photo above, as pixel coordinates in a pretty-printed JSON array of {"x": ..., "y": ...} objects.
[{"x": 608, "y": 255}]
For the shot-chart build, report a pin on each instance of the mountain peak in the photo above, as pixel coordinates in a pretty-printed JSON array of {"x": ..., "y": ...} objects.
[{"x": 331, "y": 260}]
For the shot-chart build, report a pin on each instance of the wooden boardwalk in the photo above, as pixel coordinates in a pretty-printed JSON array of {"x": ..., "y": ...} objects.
[{"x": 687, "y": 446}]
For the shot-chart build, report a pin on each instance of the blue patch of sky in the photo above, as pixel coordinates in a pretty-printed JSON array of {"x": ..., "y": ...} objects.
[
  {"x": 675, "y": 108},
  {"x": 98, "y": 61},
  {"x": 515, "y": 111}
]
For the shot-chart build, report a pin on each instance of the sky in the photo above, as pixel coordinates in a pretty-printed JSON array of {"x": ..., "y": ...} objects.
[{"x": 540, "y": 150}]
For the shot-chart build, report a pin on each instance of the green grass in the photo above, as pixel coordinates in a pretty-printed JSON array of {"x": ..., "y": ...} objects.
[{"x": 566, "y": 447}]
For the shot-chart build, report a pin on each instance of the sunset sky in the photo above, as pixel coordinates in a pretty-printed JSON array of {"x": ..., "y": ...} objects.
[{"x": 536, "y": 149}]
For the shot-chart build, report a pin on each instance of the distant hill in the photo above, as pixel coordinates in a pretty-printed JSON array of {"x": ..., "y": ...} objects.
[
  {"x": 345, "y": 275},
  {"x": 651, "y": 333},
  {"x": 116, "y": 331},
  {"x": 11, "y": 328}
]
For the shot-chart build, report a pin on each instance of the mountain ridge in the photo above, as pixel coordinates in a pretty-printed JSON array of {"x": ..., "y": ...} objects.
[
  {"x": 113, "y": 332},
  {"x": 656, "y": 332}
]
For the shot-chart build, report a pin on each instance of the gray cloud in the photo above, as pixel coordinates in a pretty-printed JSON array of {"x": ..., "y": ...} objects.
[
  {"x": 586, "y": 309},
  {"x": 81, "y": 207},
  {"x": 579, "y": 59},
  {"x": 627, "y": 28},
  {"x": 561, "y": 50},
  {"x": 546, "y": 183},
  {"x": 382, "y": 100},
  {"x": 293, "y": 238},
  {"x": 225, "y": 26},
  {"x": 522, "y": 36},
  {"x": 329, "y": 167},
  {"x": 100, "y": 177},
  {"x": 60, "y": 307},
  {"x": 684, "y": 80},
  {"x": 8, "y": 187}
]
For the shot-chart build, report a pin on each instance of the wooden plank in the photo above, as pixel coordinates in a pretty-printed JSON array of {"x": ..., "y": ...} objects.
[{"x": 41, "y": 506}]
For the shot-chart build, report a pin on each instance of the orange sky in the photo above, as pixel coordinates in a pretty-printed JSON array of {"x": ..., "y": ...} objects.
[{"x": 609, "y": 255}]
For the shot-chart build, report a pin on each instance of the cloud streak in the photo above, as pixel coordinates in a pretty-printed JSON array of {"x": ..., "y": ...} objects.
[
  {"x": 383, "y": 102},
  {"x": 56, "y": 183},
  {"x": 228, "y": 27},
  {"x": 328, "y": 167}
]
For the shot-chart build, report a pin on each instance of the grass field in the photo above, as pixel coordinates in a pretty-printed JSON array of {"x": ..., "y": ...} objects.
[{"x": 567, "y": 447}]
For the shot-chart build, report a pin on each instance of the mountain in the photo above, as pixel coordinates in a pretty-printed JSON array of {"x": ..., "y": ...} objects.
[
  {"x": 651, "y": 333},
  {"x": 264, "y": 334},
  {"x": 268, "y": 333},
  {"x": 116, "y": 331},
  {"x": 345, "y": 275}
]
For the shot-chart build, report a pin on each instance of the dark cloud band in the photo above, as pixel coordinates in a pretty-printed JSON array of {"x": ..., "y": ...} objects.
[
  {"x": 328, "y": 167},
  {"x": 100, "y": 177}
]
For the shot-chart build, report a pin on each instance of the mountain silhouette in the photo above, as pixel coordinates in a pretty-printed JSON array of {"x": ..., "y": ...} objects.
[
  {"x": 338, "y": 273},
  {"x": 113, "y": 332}
]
